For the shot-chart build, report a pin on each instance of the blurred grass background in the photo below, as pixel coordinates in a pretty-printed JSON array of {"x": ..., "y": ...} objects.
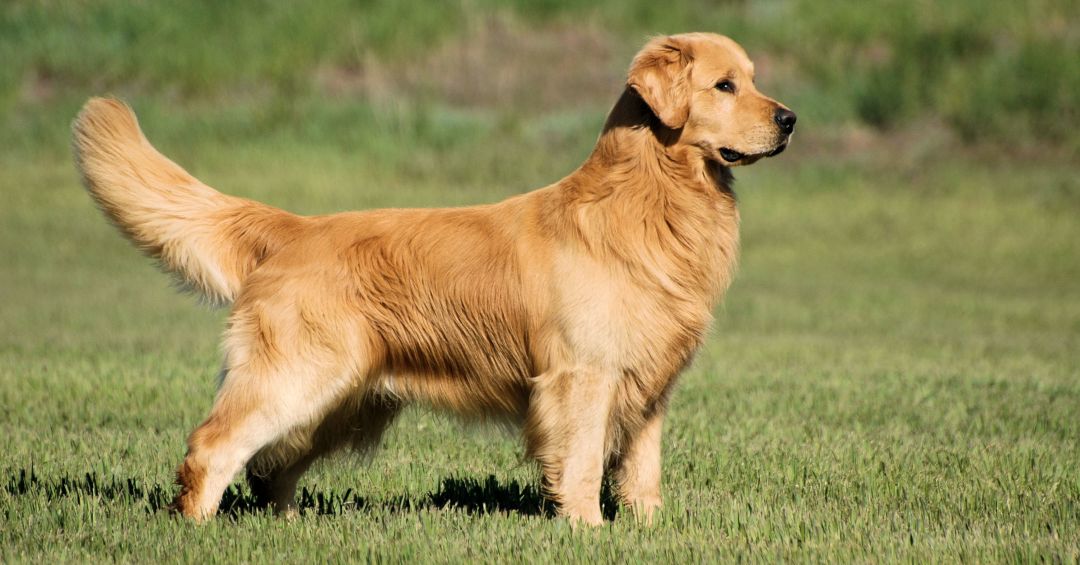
[
  {"x": 1002, "y": 72},
  {"x": 895, "y": 374}
]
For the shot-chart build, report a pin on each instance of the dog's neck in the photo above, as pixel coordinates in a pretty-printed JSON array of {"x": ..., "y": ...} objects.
[
  {"x": 675, "y": 210},
  {"x": 636, "y": 144}
]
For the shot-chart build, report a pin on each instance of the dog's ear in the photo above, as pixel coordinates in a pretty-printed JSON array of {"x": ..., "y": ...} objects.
[{"x": 660, "y": 74}]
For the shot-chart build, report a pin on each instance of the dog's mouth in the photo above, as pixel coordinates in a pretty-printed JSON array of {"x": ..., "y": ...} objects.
[
  {"x": 733, "y": 156},
  {"x": 730, "y": 155},
  {"x": 779, "y": 149}
]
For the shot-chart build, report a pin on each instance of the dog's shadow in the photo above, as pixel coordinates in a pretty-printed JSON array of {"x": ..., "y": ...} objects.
[{"x": 468, "y": 494}]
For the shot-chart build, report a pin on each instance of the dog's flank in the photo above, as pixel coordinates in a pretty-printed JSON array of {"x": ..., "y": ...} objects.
[
  {"x": 569, "y": 310},
  {"x": 208, "y": 240}
]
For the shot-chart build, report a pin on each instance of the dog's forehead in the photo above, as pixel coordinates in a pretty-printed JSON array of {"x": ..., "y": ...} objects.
[{"x": 717, "y": 54}]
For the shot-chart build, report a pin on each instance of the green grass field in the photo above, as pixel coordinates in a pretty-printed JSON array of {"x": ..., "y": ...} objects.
[{"x": 894, "y": 376}]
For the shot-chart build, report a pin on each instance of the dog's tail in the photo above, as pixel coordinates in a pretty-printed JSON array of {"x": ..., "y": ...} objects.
[{"x": 209, "y": 240}]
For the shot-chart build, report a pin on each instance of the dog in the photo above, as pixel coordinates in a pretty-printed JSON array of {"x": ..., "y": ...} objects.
[{"x": 569, "y": 310}]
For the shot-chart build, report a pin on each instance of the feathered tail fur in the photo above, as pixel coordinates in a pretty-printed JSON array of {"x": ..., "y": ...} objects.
[{"x": 209, "y": 240}]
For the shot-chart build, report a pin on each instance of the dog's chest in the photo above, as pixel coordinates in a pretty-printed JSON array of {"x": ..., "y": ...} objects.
[{"x": 631, "y": 322}]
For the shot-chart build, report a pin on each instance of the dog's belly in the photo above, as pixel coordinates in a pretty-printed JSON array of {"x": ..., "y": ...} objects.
[
  {"x": 499, "y": 399},
  {"x": 468, "y": 362},
  {"x": 447, "y": 317}
]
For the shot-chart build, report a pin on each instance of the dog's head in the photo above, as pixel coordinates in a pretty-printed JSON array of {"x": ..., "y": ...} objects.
[{"x": 702, "y": 84}]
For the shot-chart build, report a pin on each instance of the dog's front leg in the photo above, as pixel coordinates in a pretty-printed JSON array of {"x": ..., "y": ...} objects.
[
  {"x": 637, "y": 472},
  {"x": 567, "y": 432}
]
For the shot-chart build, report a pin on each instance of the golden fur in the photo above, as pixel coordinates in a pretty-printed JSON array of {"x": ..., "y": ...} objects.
[{"x": 569, "y": 310}]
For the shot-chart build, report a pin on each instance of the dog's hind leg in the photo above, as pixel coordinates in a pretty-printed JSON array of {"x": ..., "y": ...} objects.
[
  {"x": 286, "y": 372},
  {"x": 370, "y": 420},
  {"x": 253, "y": 410},
  {"x": 273, "y": 475},
  {"x": 275, "y": 487}
]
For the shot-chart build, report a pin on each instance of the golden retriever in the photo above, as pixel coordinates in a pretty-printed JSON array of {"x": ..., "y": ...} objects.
[{"x": 569, "y": 310}]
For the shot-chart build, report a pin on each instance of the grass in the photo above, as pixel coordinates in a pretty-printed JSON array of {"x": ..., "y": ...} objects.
[{"x": 894, "y": 376}]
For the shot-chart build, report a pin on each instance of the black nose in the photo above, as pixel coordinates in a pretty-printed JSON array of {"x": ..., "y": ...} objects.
[{"x": 785, "y": 119}]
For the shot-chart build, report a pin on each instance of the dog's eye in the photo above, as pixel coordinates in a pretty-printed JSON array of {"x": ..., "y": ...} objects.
[{"x": 726, "y": 86}]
